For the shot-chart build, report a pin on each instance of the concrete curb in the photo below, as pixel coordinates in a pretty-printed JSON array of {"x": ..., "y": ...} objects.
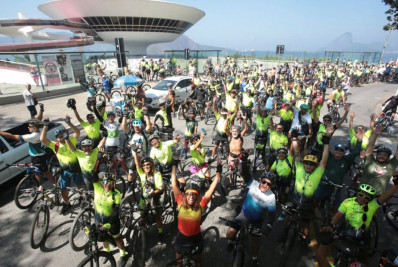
[{"x": 4, "y": 100}]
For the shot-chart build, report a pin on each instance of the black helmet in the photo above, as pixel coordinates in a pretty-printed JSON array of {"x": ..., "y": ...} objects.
[
  {"x": 147, "y": 159},
  {"x": 327, "y": 116},
  {"x": 269, "y": 175},
  {"x": 153, "y": 136},
  {"x": 192, "y": 186},
  {"x": 58, "y": 132},
  {"x": 37, "y": 123},
  {"x": 107, "y": 176},
  {"x": 194, "y": 136},
  {"x": 384, "y": 149},
  {"x": 191, "y": 111},
  {"x": 71, "y": 102}
]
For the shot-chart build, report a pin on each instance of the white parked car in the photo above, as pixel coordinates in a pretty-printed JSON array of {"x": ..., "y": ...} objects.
[{"x": 181, "y": 85}]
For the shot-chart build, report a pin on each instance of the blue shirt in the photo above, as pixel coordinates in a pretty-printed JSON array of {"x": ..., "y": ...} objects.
[
  {"x": 257, "y": 203},
  {"x": 270, "y": 102},
  {"x": 106, "y": 84}
]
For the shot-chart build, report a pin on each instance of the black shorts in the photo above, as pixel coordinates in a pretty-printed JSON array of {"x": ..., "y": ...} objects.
[
  {"x": 218, "y": 138},
  {"x": 115, "y": 226},
  {"x": 41, "y": 162},
  {"x": 32, "y": 110},
  {"x": 184, "y": 243},
  {"x": 242, "y": 220},
  {"x": 247, "y": 111}
]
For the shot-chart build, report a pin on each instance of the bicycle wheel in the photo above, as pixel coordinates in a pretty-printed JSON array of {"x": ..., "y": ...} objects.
[
  {"x": 146, "y": 87},
  {"x": 26, "y": 192},
  {"x": 100, "y": 98},
  {"x": 117, "y": 94},
  {"x": 239, "y": 259},
  {"x": 98, "y": 260},
  {"x": 179, "y": 112},
  {"x": 208, "y": 114},
  {"x": 121, "y": 185},
  {"x": 336, "y": 116},
  {"x": 287, "y": 246},
  {"x": 125, "y": 212},
  {"x": 374, "y": 234},
  {"x": 38, "y": 230},
  {"x": 77, "y": 234},
  {"x": 138, "y": 246}
]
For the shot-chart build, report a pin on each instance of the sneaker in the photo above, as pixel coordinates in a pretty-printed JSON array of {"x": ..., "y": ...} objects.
[
  {"x": 230, "y": 246},
  {"x": 160, "y": 238},
  {"x": 122, "y": 261},
  {"x": 65, "y": 208},
  {"x": 253, "y": 262}
]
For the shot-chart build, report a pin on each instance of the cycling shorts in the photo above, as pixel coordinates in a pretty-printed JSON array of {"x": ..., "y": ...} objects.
[
  {"x": 242, "y": 220},
  {"x": 115, "y": 226},
  {"x": 218, "y": 138},
  {"x": 67, "y": 176},
  {"x": 155, "y": 205},
  {"x": 183, "y": 243}
]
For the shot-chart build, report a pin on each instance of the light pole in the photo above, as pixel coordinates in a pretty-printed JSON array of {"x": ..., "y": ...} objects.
[{"x": 385, "y": 44}]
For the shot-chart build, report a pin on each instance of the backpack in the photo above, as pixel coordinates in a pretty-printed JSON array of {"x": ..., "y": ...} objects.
[{"x": 288, "y": 164}]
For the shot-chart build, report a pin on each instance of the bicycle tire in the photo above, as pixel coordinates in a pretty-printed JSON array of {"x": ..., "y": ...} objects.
[
  {"x": 98, "y": 260},
  {"x": 391, "y": 217},
  {"x": 179, "y": 112},
  {"x": 100, "y": 98},
  {"x": 146, "y": 86},
  {"x": 207, "y": 115},
  {"x": 26, "y": 189},
  {"x": 78, "y": 238},
  {"x": 138, "y": 246},
  {"x": 39, "y": 226},
  {"x": 374, "y": 234},
  {"x": 121, "y": 185},
  {"x": 116, "y": 94},
  {"x": 239, "y": 259},
  {"x": 287, "y": 245},
  {"x": 125, "y": 212}
]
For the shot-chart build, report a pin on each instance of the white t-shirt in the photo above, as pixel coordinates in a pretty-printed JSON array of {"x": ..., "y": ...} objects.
[
  {"x": 27, "y": 95},
  {"x": 35, "y": 147},
  {"x": 304, "y": 119},
  {"x": 113, "y": 133}
]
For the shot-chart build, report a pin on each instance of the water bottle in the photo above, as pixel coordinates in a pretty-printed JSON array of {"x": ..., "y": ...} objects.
[{"x": 204, "y": 131}]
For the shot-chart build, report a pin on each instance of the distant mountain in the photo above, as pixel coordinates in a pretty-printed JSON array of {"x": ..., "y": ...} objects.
[{"x": 345, "y": 43}]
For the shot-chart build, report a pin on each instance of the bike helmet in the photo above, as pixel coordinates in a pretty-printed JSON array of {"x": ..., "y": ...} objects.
[
  {"x": 192, "y": 187},
  {"x": 368, "y": 189},
  {"x": 70, "y": 102},
  {"x": 111, "y": 113},
  {"x": 136, "y": 122},
  {"x": 87, "y": 142},
  {"x": 268, "y": 175},
  {"x": 384, "y": 149},
  {"x": 304, "y": 106},
  {"x": 36, "y": 123},
  {"x": 310, "y": 158},
  {"x": 339, "y": 146},
  {"x": 58, "y": 132},
  {"x": 282, "y": 148},
  {"x": 147, "y": 159},
  {"x": 153, "y": 136},
  {"x": 327, "y": 116},
  {"x": 191, "y": 111},
  {"x": 106, "y": 177},
  {"x": 195, "y": 136}
]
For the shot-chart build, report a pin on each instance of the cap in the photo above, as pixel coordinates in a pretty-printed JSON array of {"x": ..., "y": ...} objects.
[
  {"x": 304, "y": 106},
  {"x": 339, "y": 146}
]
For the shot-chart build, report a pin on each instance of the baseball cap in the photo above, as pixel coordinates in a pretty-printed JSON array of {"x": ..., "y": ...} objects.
[{"x": 339, "y": 146}]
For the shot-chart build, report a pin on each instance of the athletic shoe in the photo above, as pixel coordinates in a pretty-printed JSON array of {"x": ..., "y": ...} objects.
[
  {"x": 65, "y": 208},
  {"x": 122, "y": 261}
]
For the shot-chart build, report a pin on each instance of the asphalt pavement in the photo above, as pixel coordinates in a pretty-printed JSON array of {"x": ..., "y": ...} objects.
[{"x": 15, "y": 249}]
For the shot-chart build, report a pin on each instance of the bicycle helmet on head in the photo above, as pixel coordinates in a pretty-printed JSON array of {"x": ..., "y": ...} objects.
[
  {"x": 147, "y": 159},
  {"x": 36, "y": 123},
  {"x": 384, "y": 149},
  {"x": 192, "y": 187},
  {"x": 136, "y": 122},
  {"x": 327, "y": 116},
  {"x": 153, "y": 136},
  {"x": 87, "y": 142},
  {"x": 107, "y": 177},
  {"x": 191, "y": 111},
  {"x": 195, "y": 136},
  {"x": 368, "y": 189},
  {"x": 268, "y": 175},
  {"x": 58, "y": 132},
  {"x": 310, "y": 158},
  {"x": 111, "y": 113},
  {"x": 282, "y": 148}
]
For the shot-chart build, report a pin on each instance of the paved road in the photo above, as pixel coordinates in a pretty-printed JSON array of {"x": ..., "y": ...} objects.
[{"x": 15, "y": 249}]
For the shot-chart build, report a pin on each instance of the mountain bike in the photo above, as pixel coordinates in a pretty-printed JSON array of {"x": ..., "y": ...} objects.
[
  {"x": 334, "y": 112},
  {"x": 114, "y": 166},
  {"x": 187, "y": 258},
  {"x": 241, "y": 242},
  {"x": 259, "y": 151},
  {"x": 230, "y": 179},
  {"x": 26, "y": 192},
  {"x": 95, "y": 257}
]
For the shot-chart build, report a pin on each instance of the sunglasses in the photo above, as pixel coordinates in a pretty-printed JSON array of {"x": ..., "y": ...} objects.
[
  {"x": 30, "y": 126},
  {"x": 366, "y": 197},
  {"x": 282, "y": 152},
  {"x": 108, "y": 182},
  {"x": 310, "y": 163},
  {"x": 146, "y": 165},
  {"x": 60, "y": 136},
  {"x": 265, "y": 182},
  {"x": 191, "y": 194}
]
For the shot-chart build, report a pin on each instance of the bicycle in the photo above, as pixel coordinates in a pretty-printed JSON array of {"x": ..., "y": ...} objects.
[
  {"x": 41, "y": 220},
  {"x": 187, "y": 258},
  {"x": 94, "y": 255},
  {"x": 229, "y": 180},
  {"x": 384, "y": 119},
  {"x": 294, "y": 229},
  {"x": 259, "y": 150},
  {"x": 113, "y": 166},
  {"x": 240, "y": 243},
  {"x": 26, "y": 191},
  {"x": 334, "y": 112}
]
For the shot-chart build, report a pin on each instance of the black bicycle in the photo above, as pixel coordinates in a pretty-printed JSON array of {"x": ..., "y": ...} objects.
[
  {"x": 95, "y": 257},
  {"x": 259, "y": 152},
  {"x": 241, "y": 242}
]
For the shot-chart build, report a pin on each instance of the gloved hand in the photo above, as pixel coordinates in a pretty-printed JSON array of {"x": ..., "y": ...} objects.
[
  {"x": 219, "y": 168},
  {"x": 125, "y": 113},
  {"x": 73, "y": 107},
  {"x": 46, "y": 122},
  {"x": 326, "y": 139},
  {"x": 295, "y": 133},
  {"x": 106, "y": 226},
  {"x": 67, "y": 119}
]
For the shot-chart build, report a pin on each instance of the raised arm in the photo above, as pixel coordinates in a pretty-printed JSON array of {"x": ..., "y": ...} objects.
[
  {"x": 372, "y": 140},
  {"x": 202, "y": 136},
  {"x": 295, "y": 145},
  {"x": 213, "y": 185},
  {"x": 214, "y": 107},
  {"x": 124, "y": 121},
  {"x": 97, "y": 114},
  {"x": 43, "y": 135},
  {"x": 10, "y": 136},
  {"x": 271, "y": 123},
  {"x": 325, "y": 153},
  {"x": 390, "y": 192},
  {"x": 76, "y": 131},
  {"x": 246, "y": 126},
  {"x": 174, "y": 185},
  {"x": 314, "y": 115},
  {"x": 148, "y": 128},
  {"x": 340, "y": 122},
  {"x": 372, "y": 121},
  {"x": 351, "y": 123},
  {"x": 70, "y": 145}
]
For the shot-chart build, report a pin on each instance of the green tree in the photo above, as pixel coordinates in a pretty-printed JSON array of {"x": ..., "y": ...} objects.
[{"x": 392, "y": 15}]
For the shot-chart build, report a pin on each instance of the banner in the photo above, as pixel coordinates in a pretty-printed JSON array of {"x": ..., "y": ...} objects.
[
  {"x": 51, "y": 70},
  {"x": 65, "y": 68}
]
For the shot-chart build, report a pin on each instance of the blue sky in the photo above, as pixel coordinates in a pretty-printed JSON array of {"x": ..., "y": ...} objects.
[{"x": 260, "y": 25}]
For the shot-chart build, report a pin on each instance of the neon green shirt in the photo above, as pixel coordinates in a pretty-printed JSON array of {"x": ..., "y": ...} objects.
[
  {"x": 276, "y": 140},
  {"x": 198, "y": 158},
  {"x": 92, "y": 130},
  {"x": 155, "y": 182},
  {"x": 306, "y": 183},
  {"x": 354, "y": 212},
  {"x": 337, "y": 94},
  {"x": 365, "y": 140},
  {"x": 163, "y": 154},
  {"x": 87, "y": 162},
  {"x": 286, "y": 115},
  {"x": 104, "y": 201},
  {"x": 220, "y": 124},
  {"x": 262, "y": 125},
  {"x": 282, "y": 168},
  {"x": 67, "y": 159}
]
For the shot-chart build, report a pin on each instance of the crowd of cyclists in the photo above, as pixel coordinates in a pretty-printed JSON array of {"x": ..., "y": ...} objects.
[{"x": 291, "y": 163}]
